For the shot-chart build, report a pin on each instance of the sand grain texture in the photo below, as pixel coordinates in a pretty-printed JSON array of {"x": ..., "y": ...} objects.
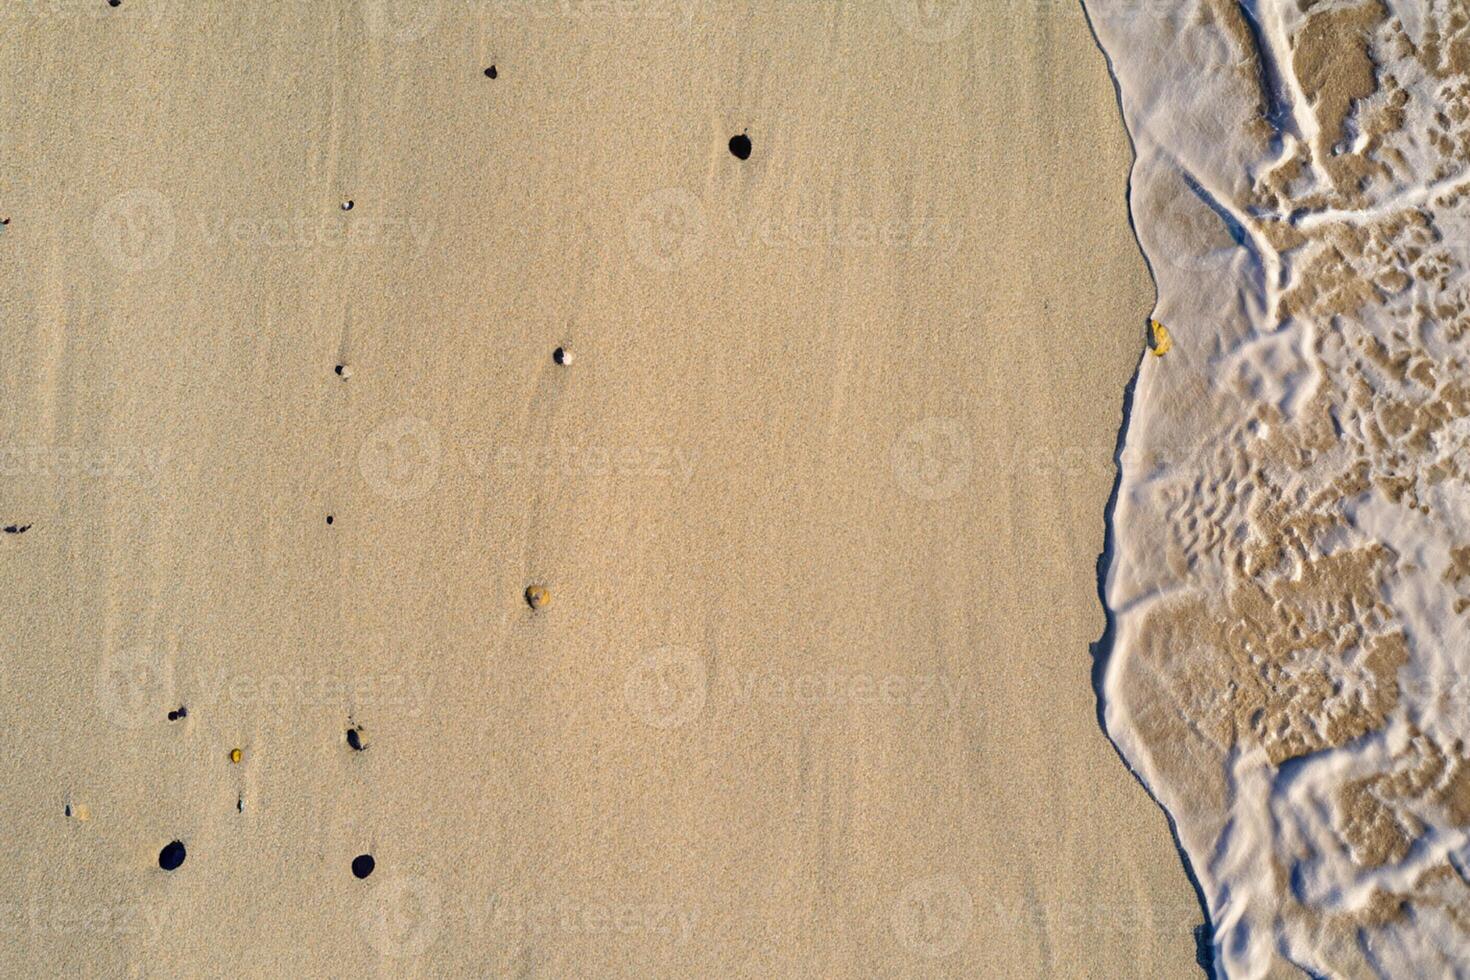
[{"x": 818, "y": 501}]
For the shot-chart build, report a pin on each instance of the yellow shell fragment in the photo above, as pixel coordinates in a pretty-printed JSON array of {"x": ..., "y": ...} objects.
[
  {"x": 1162, "y": 340},
  {"x": 538, "y": 596},
  {"x": 236, "y": 755}
]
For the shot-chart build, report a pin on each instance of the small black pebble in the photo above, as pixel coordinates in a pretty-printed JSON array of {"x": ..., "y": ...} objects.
[
  {"x": 17, "y": 528},
  {"x": 559, "y": 355},
  {"x": 114, "y": 3},
  {"x": 491, "y": 72},
  {"x": 183, "y": 712},
  {"x": 338, "y": 369},
  {"x": 171, "y": 856},
  {"x": 346, "y": 206},
  {"x": 239, "y": 804},
  {"x": 68, "y": 809},
  {"x": 329, "y": 518},
  {"x": 740, "y": 146},
  {"x": 354, "y": 740},
  {"x": 363, "y": 865},
  {"x": 4, "y": 221}
]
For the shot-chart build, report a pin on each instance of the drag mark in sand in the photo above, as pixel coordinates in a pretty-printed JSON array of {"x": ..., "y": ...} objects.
[{"x": 1288, "y": 571}]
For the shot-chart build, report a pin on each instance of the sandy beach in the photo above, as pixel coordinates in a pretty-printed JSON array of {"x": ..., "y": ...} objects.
[{"x": 816, "y": 498}]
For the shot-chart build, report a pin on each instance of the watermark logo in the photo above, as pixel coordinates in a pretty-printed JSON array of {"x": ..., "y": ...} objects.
[
  {"x": 932, "y": 21},
  {"x": 135, "y": 230},
  {"x": 402, "y": 916},
  {"x": 933, "y": 916},
  {"x": 400, "y": 458},
  {"x": 667, "y": 230},
  {"x": 134, "y": 685},
  {"x": 667, "y": 688},
  {"x": 932, "y": 458},
  {"x": 400, "y": 21}
]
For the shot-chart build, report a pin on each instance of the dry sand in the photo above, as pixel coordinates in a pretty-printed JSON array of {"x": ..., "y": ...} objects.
[{"x": 817, "y": 502}]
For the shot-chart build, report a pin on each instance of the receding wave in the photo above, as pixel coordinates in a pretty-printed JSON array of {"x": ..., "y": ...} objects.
[{"x": 1289, "y": 668}]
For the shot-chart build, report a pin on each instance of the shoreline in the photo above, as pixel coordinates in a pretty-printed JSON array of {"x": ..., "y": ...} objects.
[{"x": 1102, "y": 649}]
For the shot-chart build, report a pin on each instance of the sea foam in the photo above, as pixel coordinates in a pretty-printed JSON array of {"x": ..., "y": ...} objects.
[{"x": 1289, "y": 665}]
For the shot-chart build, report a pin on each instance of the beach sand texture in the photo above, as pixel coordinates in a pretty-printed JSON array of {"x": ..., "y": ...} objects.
[{"x": 815, "y": 505}]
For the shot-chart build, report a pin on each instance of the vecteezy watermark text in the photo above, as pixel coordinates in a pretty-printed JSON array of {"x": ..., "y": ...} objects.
[
  {"x": 313, "y": 230},
  {"x": 37, "y": 917},
  {"x": 143, "y": 464},
  {"x": 297, "y": 689},
  {"x": 834, "y": 687}
]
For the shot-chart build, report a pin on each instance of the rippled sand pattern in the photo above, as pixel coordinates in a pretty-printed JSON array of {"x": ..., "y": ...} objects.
[{"x": 1290, "y": 581}]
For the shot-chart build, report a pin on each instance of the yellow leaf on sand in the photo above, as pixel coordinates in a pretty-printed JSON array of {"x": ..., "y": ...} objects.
[{"x": 1162, "y": 340}]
